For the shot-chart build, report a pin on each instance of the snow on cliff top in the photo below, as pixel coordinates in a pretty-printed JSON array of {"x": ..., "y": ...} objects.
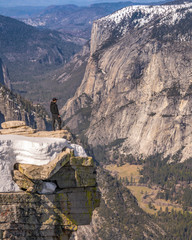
[
  {"x": 29, "y": 150},
  {"x": 170, "y": 13}
]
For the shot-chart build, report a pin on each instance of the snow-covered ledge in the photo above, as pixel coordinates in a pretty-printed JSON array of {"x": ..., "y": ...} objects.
[
  {"x": 28, "y": 150},
  {"x": 47, "y": 185}
]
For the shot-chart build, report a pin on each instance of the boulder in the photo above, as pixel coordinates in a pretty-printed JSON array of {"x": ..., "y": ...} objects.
[
  {"x": 22, "y": 130},
  {"x": 23, "y": 182},
  {"x": 72, "y": 176},
  {"x": 36, "y": 186},
  {"x": 78, "y": 172},
  {"x": 82, "y": 161},
  {"x": 12, "y": 124},
  {"x": 85, "y": 176},
  {"x": 65, "y": 170},
  {"x": 54, "y": 134},
  {"x": 65, "y": 177},
  {"x": 44, "y": 172},
  {"x": 47, "y": 188}
]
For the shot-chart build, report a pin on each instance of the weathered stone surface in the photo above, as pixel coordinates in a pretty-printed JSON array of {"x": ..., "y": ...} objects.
[
  {"x": 85, "y": 176},
  {"x": 55, "y": 134},
  {"x": 45, "y": 172},
  {"x": 65, "y": 169},
  {"x": 30, "y": 215},
  {"x": 65, "y": 177},
  {"x": 73, "y": 176},
  {"x": 23, "y": 130},
  {"x": 12, "y": 124},
  {"x": 20, "y": 128},
  {"x": 80, "y": 161},
  {"x": 136, "y": 89},
  {"x": 23, "y": 182},
  {"x": 35, "y": 186},
  {"x": 25, "y": 231},
  {"x": 26, "y": 215}
]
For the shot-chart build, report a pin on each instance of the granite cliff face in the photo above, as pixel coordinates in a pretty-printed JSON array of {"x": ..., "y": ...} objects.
[
  {"x": 119, "y": 217},
  {"x": 14, "y": 107},
  {"x": 4, "y": 75},
  {"x": 53, "y": 199},
  {"x": 137, "y": 89}
]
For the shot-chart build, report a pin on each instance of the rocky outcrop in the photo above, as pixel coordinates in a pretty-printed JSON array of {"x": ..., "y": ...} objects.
[
  {"x": 20, "y": 128},
  {"x": 135, "y": 97},
  {"x": 13, "y": 124},
  {"x": 16, "y": 127},
  {"x": 65, "y": 170},
  {"x": 4, "y": 75},
  {"x": 54, "y": 216},
  {"x": 119, "y": 216},
  {"x": 14, "y": 107},
  {"x": 54, "y": 198}
]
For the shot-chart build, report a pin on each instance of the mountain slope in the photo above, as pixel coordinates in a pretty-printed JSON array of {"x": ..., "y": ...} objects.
[
  {"x": 18, "y": 12},
  {"x": 74, "y": 19},
  {"x": 41, "y": 46},
  {"x": 4, "y": 75},
  {"x": 30, "y": 53},
  {"x": 135, "y": 97},
  {"x": 119, "y": 216}
]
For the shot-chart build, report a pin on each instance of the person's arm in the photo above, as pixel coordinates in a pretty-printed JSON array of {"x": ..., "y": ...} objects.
[{"x": 57, "y": 110}]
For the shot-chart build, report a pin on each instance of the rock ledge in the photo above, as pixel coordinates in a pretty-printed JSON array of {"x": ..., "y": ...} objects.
[{"x": 55, "y": 198}]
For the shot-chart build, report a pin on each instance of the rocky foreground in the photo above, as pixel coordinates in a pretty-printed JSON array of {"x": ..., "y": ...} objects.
[{"x": 53, "y": 199}]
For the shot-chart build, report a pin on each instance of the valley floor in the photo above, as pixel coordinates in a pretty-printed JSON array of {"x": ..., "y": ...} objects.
[{"x": 146, "y": 195}]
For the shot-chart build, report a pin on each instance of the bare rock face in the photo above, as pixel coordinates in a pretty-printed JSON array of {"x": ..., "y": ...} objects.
[
  {"x": 53, "y": 216},
  {"x": 81, "y": 172},
  {"x": 15, "y": 108},
  {"x": 46, "y": 171},
  {"x": 4, "y": 75},
  {"x": 16, "y": 127},
  {"x": 136, "y": 92},
  {"x": 54, "y": 198},
  {"x": 55, "y": 134},
  {"x": 20, "y": 128}
]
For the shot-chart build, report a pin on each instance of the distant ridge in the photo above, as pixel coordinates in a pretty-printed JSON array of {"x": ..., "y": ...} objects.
[{"x": 29, "y": 53}]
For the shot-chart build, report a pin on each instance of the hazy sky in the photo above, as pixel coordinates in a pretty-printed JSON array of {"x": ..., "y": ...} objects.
[{"x": 12, "y": 3}]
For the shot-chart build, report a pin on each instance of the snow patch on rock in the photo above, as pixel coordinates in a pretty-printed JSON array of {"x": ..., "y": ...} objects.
[
  {"x": 28, "y": 150},
  {"x": 48, "y": 187},
  {"x": 142, "y": 14}
]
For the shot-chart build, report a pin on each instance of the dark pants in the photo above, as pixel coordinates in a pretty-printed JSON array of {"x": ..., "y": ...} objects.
[{"x": 54, "y": 118}]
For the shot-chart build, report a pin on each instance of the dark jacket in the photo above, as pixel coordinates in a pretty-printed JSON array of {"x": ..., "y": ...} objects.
[{"x": 54, "y": 108}]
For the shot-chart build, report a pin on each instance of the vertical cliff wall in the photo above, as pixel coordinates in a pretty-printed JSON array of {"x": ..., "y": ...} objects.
[
  {"x": 54, "y": 216},
  {"x": 14, "y": 107},
  {"x": 4, "y": 75},
  {"x": 136, "y": 92}
]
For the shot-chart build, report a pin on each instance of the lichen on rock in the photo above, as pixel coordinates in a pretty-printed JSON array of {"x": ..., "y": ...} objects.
[{"x": 52, "y": 198}]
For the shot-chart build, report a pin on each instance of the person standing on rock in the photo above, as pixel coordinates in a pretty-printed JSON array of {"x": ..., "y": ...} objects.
[{"x": 55, "y": 113}]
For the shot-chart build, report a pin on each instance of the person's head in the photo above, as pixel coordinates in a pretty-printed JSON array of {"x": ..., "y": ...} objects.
[{"x": 54, "y": 99}]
